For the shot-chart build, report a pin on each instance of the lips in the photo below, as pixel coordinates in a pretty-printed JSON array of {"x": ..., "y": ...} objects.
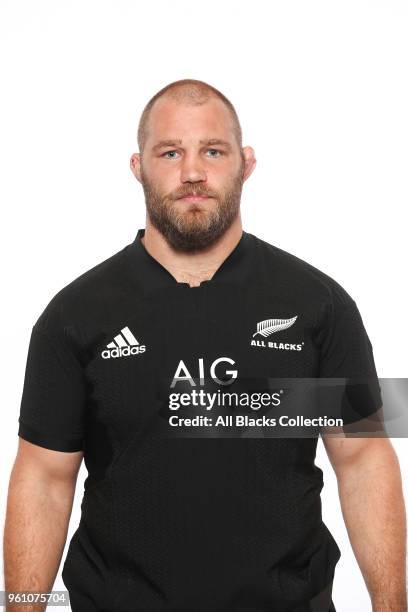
[{"x": 194, "y": 198}]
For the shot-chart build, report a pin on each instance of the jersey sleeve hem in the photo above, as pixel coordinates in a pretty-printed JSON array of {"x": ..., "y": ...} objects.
[{"x": 49, "y": 441}]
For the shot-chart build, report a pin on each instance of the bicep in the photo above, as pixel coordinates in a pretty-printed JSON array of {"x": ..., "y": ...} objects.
[
  {"x": 47, "y": 464},
  {"x": 346, "y": 452},
  {"x": 54, "y": 395}
]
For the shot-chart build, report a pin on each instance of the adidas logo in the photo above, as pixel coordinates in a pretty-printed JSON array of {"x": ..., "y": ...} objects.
[{"x": 123, "y": 345}]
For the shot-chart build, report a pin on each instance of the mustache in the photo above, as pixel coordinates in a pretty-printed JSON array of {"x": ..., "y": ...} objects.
[{"x": 189, "y": 190}]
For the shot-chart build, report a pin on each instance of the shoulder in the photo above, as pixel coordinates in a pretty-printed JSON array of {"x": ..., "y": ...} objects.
[
  {"x": 278, "y": 268},
  {"x": 87, "y": 296}
]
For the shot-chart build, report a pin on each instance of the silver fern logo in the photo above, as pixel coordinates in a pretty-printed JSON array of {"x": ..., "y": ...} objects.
[{"x": 271, "y": 326}]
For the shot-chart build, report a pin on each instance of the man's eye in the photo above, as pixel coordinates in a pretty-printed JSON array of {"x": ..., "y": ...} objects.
[
  {"x": 216, "y": 151},
  {"x": 170, "y": 154}
]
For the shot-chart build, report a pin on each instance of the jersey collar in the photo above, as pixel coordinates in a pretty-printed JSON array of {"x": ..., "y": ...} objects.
[{"x": 151, "y": 275}]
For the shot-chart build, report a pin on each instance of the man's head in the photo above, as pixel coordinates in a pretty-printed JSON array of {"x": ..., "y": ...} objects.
[{"x": 190, "y": 144}]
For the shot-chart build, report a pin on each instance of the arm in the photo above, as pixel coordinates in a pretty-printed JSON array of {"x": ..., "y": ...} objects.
[
  {"x": 39, "y": 504},
  {"x": 370, "y": 490}
]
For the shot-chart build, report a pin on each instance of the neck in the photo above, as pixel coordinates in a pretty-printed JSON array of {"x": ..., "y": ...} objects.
[{"x": 191, "y": 268}]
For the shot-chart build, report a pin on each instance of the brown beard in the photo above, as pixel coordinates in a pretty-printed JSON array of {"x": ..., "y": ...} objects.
[{"x": 196, "y": 228}]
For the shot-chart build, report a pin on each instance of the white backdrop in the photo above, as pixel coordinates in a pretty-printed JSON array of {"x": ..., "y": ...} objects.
[{"x": 321, "y": 90}]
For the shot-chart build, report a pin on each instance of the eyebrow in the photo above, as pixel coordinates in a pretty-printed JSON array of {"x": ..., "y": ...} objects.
[{"x": 175, "y": 142}]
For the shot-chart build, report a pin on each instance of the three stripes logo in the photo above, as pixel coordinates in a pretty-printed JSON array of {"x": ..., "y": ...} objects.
[{"x": 123, "y": 345}]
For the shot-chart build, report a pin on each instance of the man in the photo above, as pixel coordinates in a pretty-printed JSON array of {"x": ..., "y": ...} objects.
[{"x": 192, "y": 519}]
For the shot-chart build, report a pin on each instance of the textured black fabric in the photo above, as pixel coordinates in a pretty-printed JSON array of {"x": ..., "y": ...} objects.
[{"x": 190, "y": 523}]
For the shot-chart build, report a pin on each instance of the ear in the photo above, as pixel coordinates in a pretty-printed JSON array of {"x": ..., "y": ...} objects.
[
  {"x": 249, "y": 161},
  {"x": 135, "y": 165}
]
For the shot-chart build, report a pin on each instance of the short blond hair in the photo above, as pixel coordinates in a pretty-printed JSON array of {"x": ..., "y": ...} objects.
[{"x": 187, "y": 91}]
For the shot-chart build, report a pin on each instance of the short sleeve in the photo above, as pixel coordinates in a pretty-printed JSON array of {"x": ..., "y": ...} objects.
[
  {"x": 54, "y": 394},
  {"x": 346, "y": 354}
]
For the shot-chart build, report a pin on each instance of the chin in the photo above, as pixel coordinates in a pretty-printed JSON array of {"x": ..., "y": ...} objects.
[{"x": 194, "y": 216}]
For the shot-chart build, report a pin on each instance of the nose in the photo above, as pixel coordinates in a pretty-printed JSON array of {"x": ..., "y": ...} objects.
[{"x": 192, "y": 169}]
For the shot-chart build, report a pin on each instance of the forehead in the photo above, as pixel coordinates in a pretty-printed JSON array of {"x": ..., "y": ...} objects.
[{"x": 171, "y": 119}]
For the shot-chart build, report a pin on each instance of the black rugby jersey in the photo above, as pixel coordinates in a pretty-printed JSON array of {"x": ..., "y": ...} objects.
[{"x": 192, "y": 519}]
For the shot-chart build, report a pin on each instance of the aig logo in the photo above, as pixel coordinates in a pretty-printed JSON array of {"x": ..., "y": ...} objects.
[{"x": 217, "y": 369}]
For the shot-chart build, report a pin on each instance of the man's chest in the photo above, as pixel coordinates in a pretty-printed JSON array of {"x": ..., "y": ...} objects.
[{"x": 189, "y": 343}]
